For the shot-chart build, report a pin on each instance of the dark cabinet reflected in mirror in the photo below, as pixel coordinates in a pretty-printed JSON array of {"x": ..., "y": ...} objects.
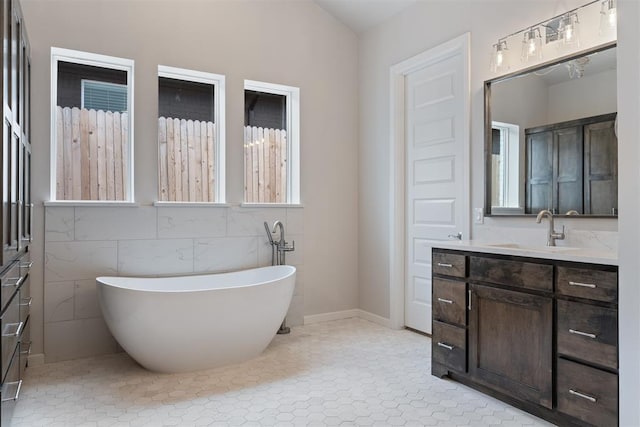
[{"x": 551, "y": 138}]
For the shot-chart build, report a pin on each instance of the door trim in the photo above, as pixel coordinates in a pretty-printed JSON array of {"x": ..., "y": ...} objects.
[{"x": 397, "y": 188}]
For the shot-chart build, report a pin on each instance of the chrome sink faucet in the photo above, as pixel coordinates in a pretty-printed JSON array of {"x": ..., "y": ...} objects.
[{"x": 552, "y": 235}]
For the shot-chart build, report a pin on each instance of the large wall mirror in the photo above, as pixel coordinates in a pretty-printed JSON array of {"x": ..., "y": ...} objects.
[{"x": 550, "y": 136}]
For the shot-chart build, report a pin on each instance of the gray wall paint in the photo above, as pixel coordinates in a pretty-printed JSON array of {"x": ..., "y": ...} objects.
[{"x": 292, "y": 43}]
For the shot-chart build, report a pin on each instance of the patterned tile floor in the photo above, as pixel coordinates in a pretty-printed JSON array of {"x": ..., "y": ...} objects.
[{"x": 347, "y": 372}]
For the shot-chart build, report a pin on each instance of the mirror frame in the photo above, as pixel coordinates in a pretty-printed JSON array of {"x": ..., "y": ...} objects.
[{"x": 487, "y": 126}]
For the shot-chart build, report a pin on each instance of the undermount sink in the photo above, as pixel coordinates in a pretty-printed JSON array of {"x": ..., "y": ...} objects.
[{"x": 533, "y": 248}]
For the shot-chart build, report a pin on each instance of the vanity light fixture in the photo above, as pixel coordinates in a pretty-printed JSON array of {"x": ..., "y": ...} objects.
[
  {"x": 498, "y": 60},
  {"x": 576, "y": 67},
  {"x": 532, "y": 44},
  {"x": 568, "y": 30},
  {"x": 562, "y": 31},
  {"x": 608, "y": 16}
]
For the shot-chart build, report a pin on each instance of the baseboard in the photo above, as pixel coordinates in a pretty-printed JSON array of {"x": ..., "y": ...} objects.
[
  {"x": 347, "y": 314},
  {"x": 383, "y": 321},
  {"x": 35, "y": 359},
  {"x": 334, "y": 315}
]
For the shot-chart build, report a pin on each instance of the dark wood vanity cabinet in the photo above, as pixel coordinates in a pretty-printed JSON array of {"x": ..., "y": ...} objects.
[
  {"x": 16, "y": 210},
  {"x": 539, "y": 334},
  {"x": 510, "y": 342},
  {"x": 573, "y": 166}
]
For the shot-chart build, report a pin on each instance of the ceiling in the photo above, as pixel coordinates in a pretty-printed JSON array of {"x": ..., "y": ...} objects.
[{"x": 360, "y": 15}]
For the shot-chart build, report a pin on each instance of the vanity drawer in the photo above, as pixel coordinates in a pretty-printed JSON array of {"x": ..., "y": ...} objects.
[
  {"x": 512, "y": 273},
  {"x": 10, "y": 328},
  {"x": 9, "y": 284},
  {"x": 586, "y": 283},
  {"x": 450, "y": 301},
  {"x": 587, "y": 393},
  {"x": 588, "y": 332},
  {"x": 449, "y": 346},
  {"x": 449, "y": 264},
  {"x": 10, "y": 390}
]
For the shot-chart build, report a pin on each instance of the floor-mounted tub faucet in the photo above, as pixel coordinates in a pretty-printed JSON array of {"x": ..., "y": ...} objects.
[
  {"x": 552, "y": 235},
  {"x": 278, "y": 250},
  {"x": 280, "y": 247}
]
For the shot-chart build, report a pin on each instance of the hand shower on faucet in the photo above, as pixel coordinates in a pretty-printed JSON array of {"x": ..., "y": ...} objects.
[{"x": 278, "y": 247}]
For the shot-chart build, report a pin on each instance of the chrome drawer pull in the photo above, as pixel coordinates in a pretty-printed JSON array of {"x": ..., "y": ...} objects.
[
  {"x": 27, "y": 264},
  {"x": 448, "y": 347},
  {"x": 584, "y": 334},
  {"x": 26, "y": 302},
  {"x": 584, "y": 285},
  {"x": 469, "y": 306},
  {"x": 18, "y": 282},
  {"x": 15, "y": 396},
  {"x": 441, "y": 264},
  {"x": 584, "y": 396},
  {"x": 446, "y": 301},
  {"x": 18, "y": 327},
  {"x": 28, "y": 350}
]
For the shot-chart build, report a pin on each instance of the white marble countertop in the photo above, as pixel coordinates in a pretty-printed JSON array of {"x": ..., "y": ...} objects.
[{"x": 563, "y": 253}]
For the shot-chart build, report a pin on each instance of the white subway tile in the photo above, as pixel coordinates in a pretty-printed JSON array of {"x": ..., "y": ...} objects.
[
  {"x": 226, "y": 254},
  {"x": 250, "y": 221},
  {"x": 295, "y": 257},
  {"x": 155, "y": 257},
  {"x": 115, "y": 223},
  {"x": 58, "y": 224},
  {"x": 295, "y": 221},
  {"x": 86, "y": 300},
  {"x": 191, "y": 222},
  {"x": 79, "y": 260},
  {"x": 58, "y": 297},
  {"x": 76, "y": 339}
]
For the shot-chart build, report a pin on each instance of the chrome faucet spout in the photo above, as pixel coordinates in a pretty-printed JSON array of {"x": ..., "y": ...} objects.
[
  {"x": 281, "y": 226},
  {"x": 552, "y": 235}
]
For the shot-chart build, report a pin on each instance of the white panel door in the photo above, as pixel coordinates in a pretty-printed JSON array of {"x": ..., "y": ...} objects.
[{"x": 437, "y": 144}]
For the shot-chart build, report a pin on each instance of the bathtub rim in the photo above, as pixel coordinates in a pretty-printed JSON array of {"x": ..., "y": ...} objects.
[{"x": 290, "y": 271}]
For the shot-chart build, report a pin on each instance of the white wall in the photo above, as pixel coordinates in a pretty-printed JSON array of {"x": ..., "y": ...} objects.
[
  {"x": 592, "y": 95},
  {"x": 418, "y": 28},
  {"x": 292, "y": 43},
  {"x": 428, "y": 24}
]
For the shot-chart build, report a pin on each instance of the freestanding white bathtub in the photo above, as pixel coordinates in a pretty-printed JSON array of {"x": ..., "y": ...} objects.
[{"x": 181, "y": 324}]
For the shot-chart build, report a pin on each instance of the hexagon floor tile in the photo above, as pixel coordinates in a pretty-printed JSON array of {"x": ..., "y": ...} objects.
[{"x": 345, "y": 372}]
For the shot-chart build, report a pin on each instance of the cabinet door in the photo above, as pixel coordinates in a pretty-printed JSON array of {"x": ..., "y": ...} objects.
[
  {"x": 600, "y": 169},
  {"x": 567, "y": 170},
  {"x": 510, "y": 342},
  {"x": 539, "y": 172}
]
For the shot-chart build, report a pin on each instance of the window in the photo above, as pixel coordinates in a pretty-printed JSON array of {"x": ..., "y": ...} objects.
[
  {"x": 505, "y": 159},
  {"x": 191, "y": 136},
  {"x": 92, "y": 127},
  {"x": 271, "y": 143}
]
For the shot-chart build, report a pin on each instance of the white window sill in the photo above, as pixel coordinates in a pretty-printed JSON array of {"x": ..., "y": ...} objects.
[
  {"x": 190, "y": 204},
  {"x": 271, "y": 205},
  {"x": 91, "y": 203}
]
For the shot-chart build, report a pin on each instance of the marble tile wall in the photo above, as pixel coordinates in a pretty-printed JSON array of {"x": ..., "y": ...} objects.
[{"x": 82, "y": 243}]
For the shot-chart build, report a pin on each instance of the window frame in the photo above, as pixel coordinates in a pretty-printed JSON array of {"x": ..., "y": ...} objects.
[
  {"x": 292, "y": 95},
  {"x": 95, "y": 60},
  {"x": 219, "y": 116}
]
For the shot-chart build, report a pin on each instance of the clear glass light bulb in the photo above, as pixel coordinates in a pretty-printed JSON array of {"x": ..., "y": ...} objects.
[
  {"x": 499, "y": 58},
  {"x": 613, "y": 18},
  {"x": 568, "y": 33},
  {"x": 532, "y": 46}
]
